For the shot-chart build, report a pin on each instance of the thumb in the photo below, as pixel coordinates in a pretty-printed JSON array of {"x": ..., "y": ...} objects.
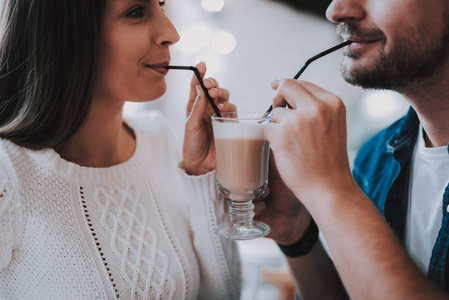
[
  {"x": 275, "y": 84},
  {"x": 200, "y": 105}
]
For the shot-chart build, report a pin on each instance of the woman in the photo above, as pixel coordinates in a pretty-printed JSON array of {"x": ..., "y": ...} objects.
[{"x": 92, "y": 204}]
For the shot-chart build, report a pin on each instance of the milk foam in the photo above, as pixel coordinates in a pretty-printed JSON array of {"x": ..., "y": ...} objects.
[{"x": 241, "y": 130}]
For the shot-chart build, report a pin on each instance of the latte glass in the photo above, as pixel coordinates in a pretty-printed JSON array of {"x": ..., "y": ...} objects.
[{"x": 242, "y": 170}]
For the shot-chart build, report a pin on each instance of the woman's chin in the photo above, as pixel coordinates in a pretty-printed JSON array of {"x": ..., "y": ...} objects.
[{"x": 150, "y": 96}]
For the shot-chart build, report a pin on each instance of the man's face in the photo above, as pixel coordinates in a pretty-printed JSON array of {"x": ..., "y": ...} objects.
[{"x": 396, "y": 43}]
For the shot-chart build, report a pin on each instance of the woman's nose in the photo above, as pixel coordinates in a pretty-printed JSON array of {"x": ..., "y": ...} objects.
[{"x": 168, "y": 34}]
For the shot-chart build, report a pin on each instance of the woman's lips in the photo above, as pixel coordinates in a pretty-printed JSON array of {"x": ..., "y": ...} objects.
[{"x": 160, "y": 69}]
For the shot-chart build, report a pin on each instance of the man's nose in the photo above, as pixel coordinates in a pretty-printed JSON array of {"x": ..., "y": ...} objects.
[{"x": 345, "y": 10}]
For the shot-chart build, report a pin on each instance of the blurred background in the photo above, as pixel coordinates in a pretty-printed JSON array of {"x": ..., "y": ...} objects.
[{"x": 246, "y": 44}]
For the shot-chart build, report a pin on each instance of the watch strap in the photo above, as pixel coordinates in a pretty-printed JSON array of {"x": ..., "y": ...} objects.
[{"x": 305, "y": 243}]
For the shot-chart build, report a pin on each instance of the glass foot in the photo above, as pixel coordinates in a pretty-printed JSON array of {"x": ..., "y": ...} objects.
[{"x": 242, "y": 231}]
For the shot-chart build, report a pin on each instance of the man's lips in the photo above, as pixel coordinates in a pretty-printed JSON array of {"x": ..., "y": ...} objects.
[{"x": 359, "y": 43}]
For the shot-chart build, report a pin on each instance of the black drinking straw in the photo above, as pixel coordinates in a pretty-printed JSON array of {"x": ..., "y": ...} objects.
[
  {"x": 307, "y": 63},
  {"x": 197, "y": 74}
]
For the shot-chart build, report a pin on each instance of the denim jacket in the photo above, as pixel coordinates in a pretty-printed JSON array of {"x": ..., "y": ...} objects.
[{"x": 382, "y": 169}]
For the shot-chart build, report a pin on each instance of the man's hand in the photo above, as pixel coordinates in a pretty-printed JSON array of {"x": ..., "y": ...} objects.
[
  {"x": 281, "y": 210},
  {"x": 309, "y": 140}
]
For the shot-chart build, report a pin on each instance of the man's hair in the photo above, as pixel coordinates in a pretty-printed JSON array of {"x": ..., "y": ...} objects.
[{"x": 48, "y": 65}]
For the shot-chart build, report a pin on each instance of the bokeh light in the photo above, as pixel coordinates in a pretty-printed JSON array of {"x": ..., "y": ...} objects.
[
  {"x": 223, "y": 42},
  {"x": 212, "y": 5},
  {"x": 194, "y": 38},
  {"x": 383, "y": 106}
]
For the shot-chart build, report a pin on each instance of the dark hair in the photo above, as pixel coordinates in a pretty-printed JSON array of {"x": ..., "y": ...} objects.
[{"x": 48, "y": 65}]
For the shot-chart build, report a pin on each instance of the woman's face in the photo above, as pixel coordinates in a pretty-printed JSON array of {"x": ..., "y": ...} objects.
[{"x": 134, "y": 43}]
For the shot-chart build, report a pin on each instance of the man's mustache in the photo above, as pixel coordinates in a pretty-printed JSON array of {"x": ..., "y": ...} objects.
[{"x": 351, "y": 30}]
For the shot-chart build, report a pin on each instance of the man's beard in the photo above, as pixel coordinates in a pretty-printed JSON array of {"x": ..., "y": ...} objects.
[{"x": 406, "y": 64}]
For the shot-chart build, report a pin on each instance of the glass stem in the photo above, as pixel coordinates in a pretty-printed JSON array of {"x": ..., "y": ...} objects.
[{"x": 242, "y": 212}]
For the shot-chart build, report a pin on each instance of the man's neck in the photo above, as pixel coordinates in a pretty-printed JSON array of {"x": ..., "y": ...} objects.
[
  {"x": 430, "y": 99},
  {"x": 435, "y": 123}
]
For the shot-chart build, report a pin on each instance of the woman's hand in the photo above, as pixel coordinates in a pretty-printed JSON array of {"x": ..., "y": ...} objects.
[{"x": 199, "y": 147}]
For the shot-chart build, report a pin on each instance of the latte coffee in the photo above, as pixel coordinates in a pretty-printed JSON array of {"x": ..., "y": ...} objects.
[
  {"x": 242, "y": 171},
  {"x": 242, "y": 156}
]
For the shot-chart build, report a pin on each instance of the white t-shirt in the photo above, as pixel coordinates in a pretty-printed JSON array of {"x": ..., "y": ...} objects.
[{"x": 428, "y": 180}]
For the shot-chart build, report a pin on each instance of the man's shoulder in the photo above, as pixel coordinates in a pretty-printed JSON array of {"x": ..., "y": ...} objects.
[
  {"x": 375, "y": 155},
  {"x": 379, "y": 144}
]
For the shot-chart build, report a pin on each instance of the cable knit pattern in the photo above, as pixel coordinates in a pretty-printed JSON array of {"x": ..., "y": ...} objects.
[
  {"x": 142, "y": 229},
  {"x": 134, "y": 243}
]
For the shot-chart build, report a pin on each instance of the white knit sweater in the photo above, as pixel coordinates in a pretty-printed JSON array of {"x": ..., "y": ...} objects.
[{"x": 142, "y": 229}]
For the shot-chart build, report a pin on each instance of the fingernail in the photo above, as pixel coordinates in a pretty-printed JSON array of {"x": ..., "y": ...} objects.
[
  {"x": 210, "y": 81},
  {"x": 198, "y": 90},
  {"x": 220, "y": 104},
  {"x": 275, "y": 82}
]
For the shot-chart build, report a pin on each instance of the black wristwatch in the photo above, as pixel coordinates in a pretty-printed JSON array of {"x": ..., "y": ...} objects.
[{"x": 304, "y": 245}]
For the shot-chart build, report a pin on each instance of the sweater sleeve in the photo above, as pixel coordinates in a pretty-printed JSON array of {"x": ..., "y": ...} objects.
[
  {"x": 218, "y": 258},
  {"x": 9, "y": 215}
]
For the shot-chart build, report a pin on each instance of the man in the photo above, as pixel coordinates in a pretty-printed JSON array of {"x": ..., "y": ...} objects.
[{"x": 388, "y": 235}]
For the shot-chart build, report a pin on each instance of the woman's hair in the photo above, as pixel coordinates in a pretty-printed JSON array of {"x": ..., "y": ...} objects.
[{"x": 48, "y": 64}]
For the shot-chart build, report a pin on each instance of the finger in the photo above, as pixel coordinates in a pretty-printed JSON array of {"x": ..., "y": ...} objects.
[
  {"x": 280, "y": 114},
  {"x": 202, "y": 70},
  {"x": 321, "y": 95},
  {"x": 214, "y": 92},
  {"x": 222, "y": 95},
  {"x": 263, "y": 196},
  {"x": 274, "y": 133},
  {"x": 290, "y": 92},
  {"x": 275, "y": 84},
  {"x": 226, "y": 107},
  {"x": 199, "y": 107},
  {"x": 210, "y": 83},
  {"x": 315, "y": 90},
  {"x": 307, "y": 92},
  {"x": 272, "y": 165},
  {"x": 266, "y": 193},
  {"x": 270, "y": 133},
  {"x": 259, "y": 207}
]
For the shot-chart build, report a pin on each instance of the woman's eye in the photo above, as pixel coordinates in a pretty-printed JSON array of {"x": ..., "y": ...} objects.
[
  {"x": 161, "y": 3},
  {"x": 136, "y": 13}
]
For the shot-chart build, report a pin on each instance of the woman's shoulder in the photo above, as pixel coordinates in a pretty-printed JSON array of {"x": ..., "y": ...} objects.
[
  {"x": 11, "y": 160},
  {"x": 9, "y": 154},
  {"x": 10, "y": 212},
  {"x": 8, "y": 172}
]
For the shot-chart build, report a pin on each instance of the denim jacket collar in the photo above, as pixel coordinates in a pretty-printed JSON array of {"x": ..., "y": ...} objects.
[{"x": 406, "y": 132}]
